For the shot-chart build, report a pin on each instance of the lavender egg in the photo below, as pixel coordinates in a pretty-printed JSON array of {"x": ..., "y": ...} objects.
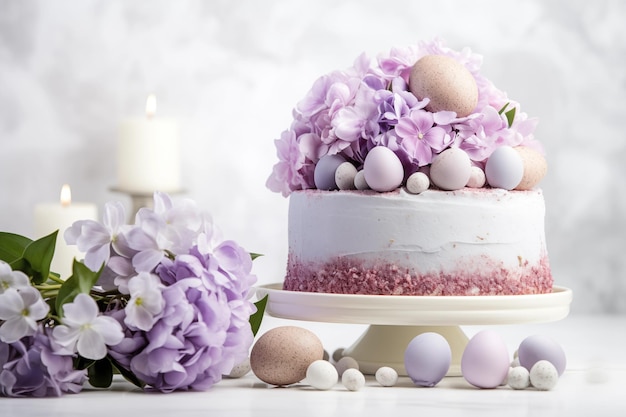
[
  {"x": 504, "y": 168},
  {"x": 427, "y": 359},
  {"x": 451, "y": 169},
  {"x": 382, "y": 169},
  {"x": 485, "y": 360},
  {"x": 536, "y": 348},
  {"x": 324, "y": 174}
]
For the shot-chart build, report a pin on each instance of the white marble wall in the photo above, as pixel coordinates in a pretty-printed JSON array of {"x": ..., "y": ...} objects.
[{"x": 231, "y": 71}]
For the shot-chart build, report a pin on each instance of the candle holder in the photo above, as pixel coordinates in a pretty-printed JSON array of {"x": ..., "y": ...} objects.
[{"x": 141, "y": 199}]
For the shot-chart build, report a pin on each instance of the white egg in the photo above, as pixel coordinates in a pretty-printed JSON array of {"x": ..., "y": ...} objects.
[
  {"x": 543, "y": 375},
  {"x": 353, "y": 379},
  {"x": 451, "y": 169},
  {"x": 477, "y": 178},
  {"x": 324, "y": 174},
  {"x": 322, "y": 375},
  {"x": 386, "y": 376},
  {"x": 504, "y": 168},
  {"x": 344, "y": 176},
  {"x": 519, "y": 378},
  {"x": 359, "y": 181},
  {"x": 383, "y": 170},
  {"x": 417, "y": 183}
]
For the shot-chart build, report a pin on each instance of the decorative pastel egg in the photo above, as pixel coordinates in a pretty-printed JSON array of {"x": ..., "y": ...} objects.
[
  {"x": 446, "y": 82},
  {"x": 353, "y": 379},
  {"x": 322, "y": 375},
  {"x": 485, "y": 360},
  {"x": 504, "y": 168},
  {"x": 386, "y": 376},
  {"x": 324, "y": 174},
  {"x": 382, "y": 169},
  {"x": 537, "y": 347},
  {"x": 344, "y": 176},
  {"x": 417, "y": 183},
  {"x": 477, "y": 178},
  {"x": 451, "y": 169},
  {"x": 282, "y": 355},
  {"x": 427, "y": 359},
  {"x": 543, "y": 376},
  {"x": 535, "y": 167},
  {"x": 519, "y": 378},
  {"x": 359, "y": 181}
]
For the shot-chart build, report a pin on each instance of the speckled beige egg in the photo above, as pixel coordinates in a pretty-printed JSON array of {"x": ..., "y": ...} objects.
[
  {"x": 446, "y": 82},
  {"x": 535, "y": 167},
  {"x": 282, "y": 355}
]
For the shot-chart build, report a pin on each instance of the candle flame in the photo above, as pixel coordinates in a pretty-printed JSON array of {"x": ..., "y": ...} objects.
[
  {"x": 151, "y": 106},
  {"x": 66, "y": 195}
]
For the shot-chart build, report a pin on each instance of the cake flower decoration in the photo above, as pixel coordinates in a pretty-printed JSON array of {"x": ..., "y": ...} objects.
[
  {"x": 165, "y": 302},
  {"x": 396, "y": 103}
]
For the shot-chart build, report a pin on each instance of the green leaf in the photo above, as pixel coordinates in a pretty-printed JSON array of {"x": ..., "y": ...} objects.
[
  {"x": 12, "y": 246},
  {"x": 39, "y": 255},
  {"x": 128, "y": 375},
  {"x": 82, "y": 281},
  {"x": 255, "y": 255},
  {"x": 503, "y": 107},
  {"x": 257, "y": 318},
  {"x": 100, "y": 374},
  {"x": 510, "y": 116}
]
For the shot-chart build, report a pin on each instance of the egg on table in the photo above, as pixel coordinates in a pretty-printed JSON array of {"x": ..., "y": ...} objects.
[
  {"x": 485, "y": 361},
  {"x": 282, "y": 355},
  {"x": 427, "y": 359}
]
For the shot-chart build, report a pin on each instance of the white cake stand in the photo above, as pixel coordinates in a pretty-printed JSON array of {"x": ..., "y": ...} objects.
[{"x": 395, "y": 320}]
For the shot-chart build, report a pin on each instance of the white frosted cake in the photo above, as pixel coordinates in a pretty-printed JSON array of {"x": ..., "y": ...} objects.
[
  {"x": 465, "y": 242},
  {"x": 413, "y": 175}
]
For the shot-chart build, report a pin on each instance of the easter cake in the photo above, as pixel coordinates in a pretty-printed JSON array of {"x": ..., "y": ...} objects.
[{"x": 413, "y": 175}]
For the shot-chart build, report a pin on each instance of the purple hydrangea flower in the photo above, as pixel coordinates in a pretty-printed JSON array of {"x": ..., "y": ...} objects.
[{"x": 31, "y": 367}]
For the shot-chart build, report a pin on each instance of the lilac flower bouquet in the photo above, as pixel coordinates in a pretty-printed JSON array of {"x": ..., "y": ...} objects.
[
  {"x": 352, "y": 111},
  {"x": 164, "y": 302}
]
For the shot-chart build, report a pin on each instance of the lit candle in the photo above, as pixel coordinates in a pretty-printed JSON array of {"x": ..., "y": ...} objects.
[
  {"x": 54, "y": 216},
  {"x": 148, "y": 154}
]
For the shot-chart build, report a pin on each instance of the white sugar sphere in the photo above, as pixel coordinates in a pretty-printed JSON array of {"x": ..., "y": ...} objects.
[
  {"x": 386, "y": 376},
  {"x": 519, "y": 378},
  {"x": 359, "y": 181},
  {"x": 324, "y": 174},
  {"x": 543, "y": 375},
  {"x": 382, "y": 169},
  {"x": 345, "y": 363},
  {"x": 451, "y": 169},
  {"x": 417, "y": 183},
  {"x": 321, "y": 375},
  {"x": 344, "y": 176},
  {"x": 353, "y": 379},
  {"x": 477, "y": 178},
  {"x": 504, "y": 168},
  {"x": 240, "y": 369}
]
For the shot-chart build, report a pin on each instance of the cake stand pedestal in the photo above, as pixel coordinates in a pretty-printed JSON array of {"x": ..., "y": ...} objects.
[{"x": 395, "y": 320}]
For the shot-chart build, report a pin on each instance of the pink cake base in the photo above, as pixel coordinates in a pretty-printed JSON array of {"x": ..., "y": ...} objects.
[{"x": 349, "y": 277}]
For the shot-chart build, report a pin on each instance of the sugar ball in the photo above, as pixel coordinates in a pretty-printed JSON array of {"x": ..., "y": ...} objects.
[
  {"x": 519, "y": 378},
  {"x": 321, "y": 375},
  {"x": 359, "y": 181},
  {"x": 477, "y": 178},
  {"x": 451, "y": 169},
  {"x": 344, "y": 176},
  {"x": 386, "y": 376},
  {"x": 353, "y": 379},
  {"x": 446, "y": 82},
  {"x": 282, "y": 355},
  {"x": 345, "y": 363},
  {"x": 543, "y": 375},
  {"x": 382, "y": 169},
  {"x": 417, "y": 183},
  {"x": 240, "y": 369},
  {"x": 324, "y": 173}
]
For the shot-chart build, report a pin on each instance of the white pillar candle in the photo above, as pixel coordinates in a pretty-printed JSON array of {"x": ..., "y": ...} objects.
[
  {"x": 60, "y": 216},
  {"x": 148, "y": 154}
]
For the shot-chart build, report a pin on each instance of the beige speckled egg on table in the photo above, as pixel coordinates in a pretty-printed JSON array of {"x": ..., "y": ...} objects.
[
  {"x": 535, "y": 167},
  {"x": 282, "y": 355},
  {"x": 446, "y": 82}
]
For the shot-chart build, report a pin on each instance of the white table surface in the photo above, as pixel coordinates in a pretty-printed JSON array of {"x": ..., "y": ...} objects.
[{"x": 594, "y": 384}]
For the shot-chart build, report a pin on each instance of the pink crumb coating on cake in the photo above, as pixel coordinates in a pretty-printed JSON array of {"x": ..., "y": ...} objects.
[{"x": 344, "y": 276}]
